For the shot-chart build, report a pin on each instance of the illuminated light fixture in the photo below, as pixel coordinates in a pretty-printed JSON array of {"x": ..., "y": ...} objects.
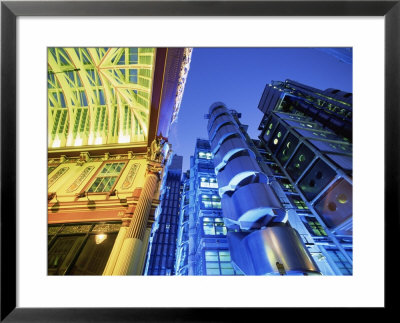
[
  {"x": 56, "y": 143},
  {"x": 90, "y": 139},
  {"x": 69, "y": 140},
  {"x": 99, "y": 238},
  {"x": 342, "y": 198},
  {"x": 98, "y": 141},
  {"x": 123, "y": 138},
  {"x": 78, "y": 141}
]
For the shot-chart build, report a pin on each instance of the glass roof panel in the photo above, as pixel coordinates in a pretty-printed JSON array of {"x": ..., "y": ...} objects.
[{"x": 105, "y": 92}]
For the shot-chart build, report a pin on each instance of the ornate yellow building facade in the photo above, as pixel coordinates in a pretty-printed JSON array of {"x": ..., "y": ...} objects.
[{"x": 109, "y": 112}]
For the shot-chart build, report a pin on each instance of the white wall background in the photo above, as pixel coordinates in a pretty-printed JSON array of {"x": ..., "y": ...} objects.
[{"x": 364, "y": 288}]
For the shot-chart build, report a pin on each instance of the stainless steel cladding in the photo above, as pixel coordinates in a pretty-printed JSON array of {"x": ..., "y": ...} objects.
[
  {"x": 228, "y": 149},
  {"x": 238, "y": 172},
  {"x": 251, "y": 207},
  {"x": 263, "y": 243},
  {"x": 275, "y": 250}
]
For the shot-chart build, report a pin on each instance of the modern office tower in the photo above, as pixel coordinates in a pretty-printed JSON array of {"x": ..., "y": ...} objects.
[
  {"x": 109, "y": 113},
  {"x": 202, "y": 244},
  {"x": 261, "y": 239},
  {"x": 162, "y": 247},
  {"x": 307, "y": 135}
]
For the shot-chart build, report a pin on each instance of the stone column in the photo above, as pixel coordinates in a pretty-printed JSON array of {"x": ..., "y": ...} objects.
[
  {"x": 130, "y": 255},
  {"x": 112, "y": 259},
  {"x": 145, "y": 250}
]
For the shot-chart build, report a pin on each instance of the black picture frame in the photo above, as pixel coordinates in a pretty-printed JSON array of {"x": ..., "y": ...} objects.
[{"x": 10, "y": 10}]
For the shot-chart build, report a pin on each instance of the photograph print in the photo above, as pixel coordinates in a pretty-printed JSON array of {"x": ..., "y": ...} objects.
[{"x": 199, "y": 161}]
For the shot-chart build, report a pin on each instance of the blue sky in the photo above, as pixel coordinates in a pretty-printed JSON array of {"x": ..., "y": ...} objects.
[{"x": 237, "y": 77}]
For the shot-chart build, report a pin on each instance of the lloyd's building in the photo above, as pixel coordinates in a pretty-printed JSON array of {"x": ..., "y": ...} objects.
[
  {"x": 109, "y": 112},
  {"x": 286, "y": 199},
  {"x": 260, "y": 239}
]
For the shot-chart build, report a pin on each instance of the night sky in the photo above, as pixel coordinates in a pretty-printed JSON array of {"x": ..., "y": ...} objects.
[{"x": 237, "y": 77}]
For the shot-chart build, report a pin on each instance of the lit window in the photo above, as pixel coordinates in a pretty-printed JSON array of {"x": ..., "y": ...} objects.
[
  {"x": 315, "y": 227},
  {"x": 211, "y": 256},
  {"x": 225, "y": 256},
  {"x": 340, "y": 261},
  {"x": 204, "y": 155},
  {"x": 286, "y": 185},
  {"x": 211, "y": 202},
  {"x": 208, "y": 182},
  {"x": 206, "y": 201},
  {"x": 216, "y": 202},
  {"x": 299, "y": 203},
  {"x": 106, "y": 178},
  {"x": 213, "y": 183},
  {"x": 208, "y": 226},
  {"x": 218, "y": 262},
  {"x": 214, "y": 226},
  {"x": 204, "y": 182}
]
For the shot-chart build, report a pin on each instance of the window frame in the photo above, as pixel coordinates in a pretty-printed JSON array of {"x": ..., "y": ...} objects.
[
  {"x": 95, "y": 176},
  {"x": 218, "y": 264},
  {"x": 212, "y": 199},
  {"x": 212, "y": 223},
  {"x": 207, "y": 181},
  {"x": 340, "y": 261},
  {"x": 86, "y": 234}
]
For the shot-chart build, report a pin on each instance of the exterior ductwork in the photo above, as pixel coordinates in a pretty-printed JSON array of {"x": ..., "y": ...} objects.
[
  {"x": 227, "y": 149},
  {"x": 220, "y": 121},
  {"x": 275, "y": 250},
  {"x": 251, "y": 206},
  {"x": 265, "y": 245},
  {"x": 221, "y": 135},
  {"x": 239, "y": 171}
]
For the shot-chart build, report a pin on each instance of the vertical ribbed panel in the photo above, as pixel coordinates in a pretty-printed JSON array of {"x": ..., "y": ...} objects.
[
  {"x": 139, "y": 220},
  {"x": 112, "y": 259},
  {"x": 128, "y": 257},
  {"x": 130, "y": 254}
]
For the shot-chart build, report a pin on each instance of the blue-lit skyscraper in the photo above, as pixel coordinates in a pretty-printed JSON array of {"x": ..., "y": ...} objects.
[
  {"x": 307, "y": 134},
  {"x": 202, "y": 242},
  {"x": 162, "y": 247},
  {"x": 280, "y": 205},
  {"x": 261, "y": 239}
]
